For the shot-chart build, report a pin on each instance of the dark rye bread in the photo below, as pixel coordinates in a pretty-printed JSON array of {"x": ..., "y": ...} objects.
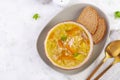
[
  {"x": 89, "y": 18},
  {"x": 99, "y": 34}
]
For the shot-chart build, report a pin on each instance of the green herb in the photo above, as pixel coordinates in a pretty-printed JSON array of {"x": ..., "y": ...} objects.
[
  {"x": 117, "y": 14},
  {"x": 75, "y": 54},
  {"x": 36, "y": 16},
  {"x": 64, "y": 38}
]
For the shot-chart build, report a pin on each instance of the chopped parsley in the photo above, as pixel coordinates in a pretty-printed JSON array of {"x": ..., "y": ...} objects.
[
  {"x": 36, "y": 16},
  {"x": 117, "y": 14},
  {"x": 64, "y": 38},
  {"x": 75, "y": 54}
]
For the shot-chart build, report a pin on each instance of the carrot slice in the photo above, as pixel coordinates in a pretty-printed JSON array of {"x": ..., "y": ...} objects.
[
  {"x": 60, "y": 43},
  {"x": 69, "y": 49}
]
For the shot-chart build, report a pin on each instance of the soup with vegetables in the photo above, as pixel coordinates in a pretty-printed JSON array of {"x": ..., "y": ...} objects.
[{"x": 67, "y": 45}]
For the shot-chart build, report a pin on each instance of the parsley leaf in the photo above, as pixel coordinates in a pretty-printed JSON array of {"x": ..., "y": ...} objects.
[
  {"x": 117, "y": 14},
  {"x": 36, "y": 16},
  {"x": 75, "y": 54},
  {"x": 64, "y": 38}
]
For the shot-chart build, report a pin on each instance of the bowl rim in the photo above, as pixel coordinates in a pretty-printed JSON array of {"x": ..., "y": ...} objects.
[{"x": 90, "y": 51}]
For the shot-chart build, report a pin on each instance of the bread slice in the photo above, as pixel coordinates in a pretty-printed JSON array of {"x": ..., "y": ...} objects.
[
  {"x": 99, "y": 34},
  {"x": 89, "y": 18}
]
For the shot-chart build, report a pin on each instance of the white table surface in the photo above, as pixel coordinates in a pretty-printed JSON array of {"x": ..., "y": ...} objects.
[{"x": 19, "y": 59}]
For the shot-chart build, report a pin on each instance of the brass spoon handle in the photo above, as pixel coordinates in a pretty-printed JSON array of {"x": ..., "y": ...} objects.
[
  {"x": 116, "y": 60},
  {"x": 95, "y": 70},
  {"x": 97, "y": 78}
]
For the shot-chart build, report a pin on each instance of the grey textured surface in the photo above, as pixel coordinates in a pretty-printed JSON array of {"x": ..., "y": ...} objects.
[{"x": 19, "y": 59}]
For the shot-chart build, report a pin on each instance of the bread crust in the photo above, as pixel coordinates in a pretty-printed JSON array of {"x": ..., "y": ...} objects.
[
  {"x": 89, "y": 18},
  {"x": 99, "y": 34}
]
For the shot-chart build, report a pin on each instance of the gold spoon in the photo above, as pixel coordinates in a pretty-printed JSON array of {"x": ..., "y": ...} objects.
[{"x": 112, "y": 51}]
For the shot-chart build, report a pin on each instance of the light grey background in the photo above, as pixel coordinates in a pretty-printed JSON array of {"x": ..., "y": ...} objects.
[{"x": 19, "y": 59}]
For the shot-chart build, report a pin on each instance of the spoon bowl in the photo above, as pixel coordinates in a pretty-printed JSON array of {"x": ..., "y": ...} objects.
[
  {"x": 113, "y": 48},
  {"x": 111, "y": 51}
]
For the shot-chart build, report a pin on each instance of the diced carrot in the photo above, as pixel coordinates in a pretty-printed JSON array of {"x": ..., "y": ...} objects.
[
  {"x": 60, "y": 43},
  {"x": 70, "y": 32},
  {"x": 69, "y": 49},
  {"x": 63, "y": 57}
]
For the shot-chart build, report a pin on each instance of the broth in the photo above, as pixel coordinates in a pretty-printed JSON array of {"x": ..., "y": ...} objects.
[{"x": 67, "y": 45}]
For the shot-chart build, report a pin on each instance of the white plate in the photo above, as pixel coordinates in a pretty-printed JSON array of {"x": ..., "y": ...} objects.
[{"x": 70, "y": 14}]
